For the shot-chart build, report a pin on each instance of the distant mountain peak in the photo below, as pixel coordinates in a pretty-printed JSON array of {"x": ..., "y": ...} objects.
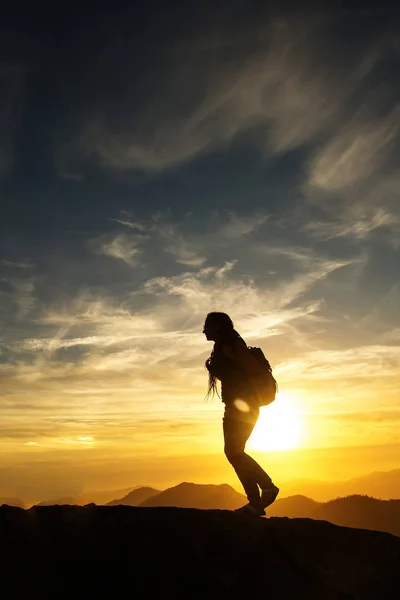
[
  {"x": 135, "y": 497},
  {"x": 191, "y": 485},
  {"x": 198, "y": 495}
]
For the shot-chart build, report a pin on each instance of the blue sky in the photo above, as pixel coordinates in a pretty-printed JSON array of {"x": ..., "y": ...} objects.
[{"x": 160, "y": 162}]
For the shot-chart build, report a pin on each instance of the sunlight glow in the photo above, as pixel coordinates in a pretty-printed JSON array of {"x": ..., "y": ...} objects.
[{"x": 279, "y": 426}]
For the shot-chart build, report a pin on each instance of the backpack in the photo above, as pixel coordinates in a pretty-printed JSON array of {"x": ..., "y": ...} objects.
[{"x": 266, "y": 385}]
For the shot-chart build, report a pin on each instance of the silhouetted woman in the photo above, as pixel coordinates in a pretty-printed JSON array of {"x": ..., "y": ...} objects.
[{"x": 232, "y": 363}]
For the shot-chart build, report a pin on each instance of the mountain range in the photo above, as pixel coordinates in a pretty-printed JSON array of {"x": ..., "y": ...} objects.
[
  {"x": 380, "y": 484},
  {"x": 358, "y": 511},
  {"x": 186, "y": 495},
  {"x": 351, "y": 511},
  {"x": 384, "y": 485}
]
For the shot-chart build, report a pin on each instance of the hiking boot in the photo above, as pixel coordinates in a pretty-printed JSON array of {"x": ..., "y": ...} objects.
[
  {"x": 250, "y": 509},
  {"x": 268, "y": 495}
]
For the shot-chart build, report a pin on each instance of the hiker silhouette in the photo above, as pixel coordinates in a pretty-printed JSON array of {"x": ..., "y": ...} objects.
[{"x": 233, "y": 365}]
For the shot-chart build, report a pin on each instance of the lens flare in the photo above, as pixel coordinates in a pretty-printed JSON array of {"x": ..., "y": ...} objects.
[{"x": 241, "y": 405}]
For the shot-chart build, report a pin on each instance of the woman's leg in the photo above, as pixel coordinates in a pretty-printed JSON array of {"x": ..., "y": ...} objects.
[{"x": 237, "y": 427}]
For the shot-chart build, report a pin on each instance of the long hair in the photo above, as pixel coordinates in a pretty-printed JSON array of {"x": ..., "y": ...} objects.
[{"x": 225, "y": 326}]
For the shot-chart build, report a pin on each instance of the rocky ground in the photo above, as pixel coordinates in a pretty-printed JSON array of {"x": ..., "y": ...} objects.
[{"x": 191, "y": 553}]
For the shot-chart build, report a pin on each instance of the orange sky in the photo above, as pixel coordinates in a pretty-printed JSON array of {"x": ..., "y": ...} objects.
[
  {"x": 161, "y": 436},
  {"x": 95, "y": 426},
  {"x": 246, "y": 162}
]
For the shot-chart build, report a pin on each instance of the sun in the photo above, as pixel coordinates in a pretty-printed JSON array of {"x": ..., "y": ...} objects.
[{"x": 279, "y": 426}]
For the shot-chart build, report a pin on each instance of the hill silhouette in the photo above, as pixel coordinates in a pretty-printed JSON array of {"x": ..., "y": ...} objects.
[
  {"x": 353, "y": 511},
  {"x": 59, "y": 502},
  {"x": 293, "y": 506},
  {"x": 102, "y": 497},
  {"x": 380, "y": 485},
  {"x": 189, "y": 553},
  {"x": 135, "y": 497},
  {"x": 194, "y": 495},
  {"x": 358, "y": 511},
  {"x": 384, "y": 485},
  {"x": 362, "y": 512}
]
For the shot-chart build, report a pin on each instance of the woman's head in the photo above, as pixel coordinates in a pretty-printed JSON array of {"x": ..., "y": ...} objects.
[
  {"x": 217, "y": 327},
  {"x": 217, "y": 324}
]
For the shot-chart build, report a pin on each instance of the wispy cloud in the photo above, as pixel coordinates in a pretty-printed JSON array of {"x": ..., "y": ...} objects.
[
  {"x": 391, "y": 336},
  {"x": 122, "y": 337},
  {"x": 104, "y": 357},
  {"x": 194, "y": 248},
  {"x": 181, "y": 240},
  {"x": 165, "y": 313},
  {"x": 356, "y": 362},
  {"x": 185, "y": 248},
  {"x": 121, "y": 246},
  {"x": 355, "y": 153},
  {"x": 279, "y": 83},
  {"x": 15, "y": 264},
  {"x": 356, "y": 222},
  {"x": 127, "y": 222},
  {"x": 22, "y": 296}
]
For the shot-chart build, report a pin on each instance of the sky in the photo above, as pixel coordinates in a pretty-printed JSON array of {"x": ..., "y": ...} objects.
[{"x": 164, "y": 160}]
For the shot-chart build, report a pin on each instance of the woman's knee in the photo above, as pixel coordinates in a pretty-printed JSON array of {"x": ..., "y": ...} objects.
[{"x": 233, "y": 454}]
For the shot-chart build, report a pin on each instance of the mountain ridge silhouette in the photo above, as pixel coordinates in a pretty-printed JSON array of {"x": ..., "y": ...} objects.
[
  {"x": 357, "y": 511},
  {"x": 351, "y": 511},
  {"x": 196, "y": 495},
  {"x": 135, "y": 497},
  {"x": 383, "y": 485}
]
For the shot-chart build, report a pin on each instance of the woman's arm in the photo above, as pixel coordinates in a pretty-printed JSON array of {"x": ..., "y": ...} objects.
[{"x": 240, "y": 353}]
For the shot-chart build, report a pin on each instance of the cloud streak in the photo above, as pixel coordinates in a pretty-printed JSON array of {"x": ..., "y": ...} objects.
[
  {"x": 121, "y": 247},
  {"x": 280, "y": 85},
  {"x": 355, "y": 153},
  {"x": 358, "y": 223}
]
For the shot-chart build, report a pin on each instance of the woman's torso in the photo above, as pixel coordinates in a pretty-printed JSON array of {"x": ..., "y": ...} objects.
[{"x": 235, "y": 383}]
